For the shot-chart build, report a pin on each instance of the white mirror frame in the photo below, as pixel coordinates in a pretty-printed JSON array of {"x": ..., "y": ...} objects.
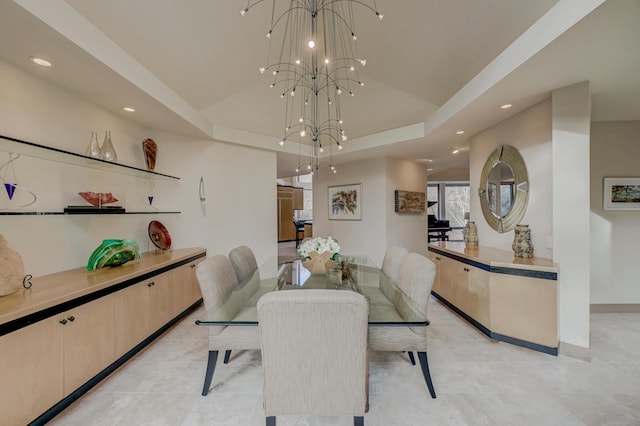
[{"x": 510, "y": 155}]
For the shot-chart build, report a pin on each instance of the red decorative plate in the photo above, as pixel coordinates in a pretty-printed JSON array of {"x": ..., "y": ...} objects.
[{"x": 159, "y": 235}]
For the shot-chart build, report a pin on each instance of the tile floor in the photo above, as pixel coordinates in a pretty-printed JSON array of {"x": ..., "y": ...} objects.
[{"x": 478, "y": 382}]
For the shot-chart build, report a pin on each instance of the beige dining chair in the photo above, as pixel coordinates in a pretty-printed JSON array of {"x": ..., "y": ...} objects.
[
  {"x": 393, "y": 257},
  {"x": 314, "y": 353},
  {"x": 411, "y": 296},
  {"x": 217, "y": 280}
]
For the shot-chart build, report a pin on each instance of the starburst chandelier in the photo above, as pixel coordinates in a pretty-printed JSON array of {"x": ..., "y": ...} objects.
[{"x": 316, "y": 63}]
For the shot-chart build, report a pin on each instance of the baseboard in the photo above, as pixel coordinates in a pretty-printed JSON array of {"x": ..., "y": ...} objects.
[
  {"x": 613, "y": 308},
  {"x": 575, "y": 351}
]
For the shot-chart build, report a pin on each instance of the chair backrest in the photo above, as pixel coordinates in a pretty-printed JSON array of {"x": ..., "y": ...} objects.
[
  {"x": 244, "y": 262},
  {"x": 217, "y": 280},
  {"x": 415, "y": 279},
  {"x": 390, "y": 267},
  {"x": 314, "y": 352}
]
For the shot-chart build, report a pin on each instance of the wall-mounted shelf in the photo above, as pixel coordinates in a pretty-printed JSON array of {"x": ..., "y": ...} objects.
[
  {"x": 58, "y": 213},
  {"x": 31, "y": 149}
]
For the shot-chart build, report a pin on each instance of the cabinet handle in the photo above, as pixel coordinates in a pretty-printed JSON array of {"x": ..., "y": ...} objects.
[
  {"x": 437, "y": 258},
  {"x": 71, "y": 318},
  {"x": 151, "y": 284},
  {"x": 193, "y": 266},
  {"x": 63, "y": 321},
  {"x": 466, "y": 269}
]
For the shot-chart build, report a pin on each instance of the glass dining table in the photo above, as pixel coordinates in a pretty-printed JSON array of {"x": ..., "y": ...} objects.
[{"x": 347, "y": 273}]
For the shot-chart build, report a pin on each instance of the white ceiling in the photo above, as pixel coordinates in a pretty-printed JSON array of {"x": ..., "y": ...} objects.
[{"x": 433, "y": 66}]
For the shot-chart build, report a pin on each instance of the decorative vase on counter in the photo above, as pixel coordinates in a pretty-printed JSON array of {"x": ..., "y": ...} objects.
[
  {"x": 471, "y": 234},
  {"x": 522, "y": 245},
  {"x": 108, "y": 152},
  {"x": 93, "y": 150}
]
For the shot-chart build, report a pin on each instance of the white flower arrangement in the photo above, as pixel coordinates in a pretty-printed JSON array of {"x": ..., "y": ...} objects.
[{"x": 319, "y": 245}]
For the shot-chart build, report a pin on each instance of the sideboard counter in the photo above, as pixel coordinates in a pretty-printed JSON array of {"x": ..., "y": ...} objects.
[
  {"x": 54, "y": 289},
  {"x": 494, "y": 258}
]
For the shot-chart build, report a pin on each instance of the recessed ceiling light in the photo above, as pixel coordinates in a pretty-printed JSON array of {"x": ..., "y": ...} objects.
[
  {"x": 129, "y": 109},
  {"x": 426, "y": 160},
  {"x": 40, "y": 61},
  {"x": 460, "y": 132},
  {"x": 505, "y": 106},
  {"x": 429, "y": 170},
  {"x": 455, "y": 151}
]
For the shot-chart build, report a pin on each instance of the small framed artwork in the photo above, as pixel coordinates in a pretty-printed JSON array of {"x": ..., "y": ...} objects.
[
  {"x": 345, "y": 202},
  {"x": 621, "y": 193},
  {"x": 409, "y": 201}
]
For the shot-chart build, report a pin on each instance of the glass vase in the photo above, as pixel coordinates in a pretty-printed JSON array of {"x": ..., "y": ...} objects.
[
  {"x": 108, "y": 152},
  {"x": 93, "y": 150}
]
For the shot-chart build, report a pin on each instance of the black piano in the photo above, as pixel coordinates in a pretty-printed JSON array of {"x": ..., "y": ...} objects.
[{"x": 437, "y": 229}]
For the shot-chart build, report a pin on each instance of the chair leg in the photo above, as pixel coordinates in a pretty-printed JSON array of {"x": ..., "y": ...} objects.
[
  {"x": 271, "y": 421},
  {"x": 412, "y": 358},
  {"x": 425, "y": 372},
  {"x": 358, "y": 421},
  {"x": 227, "y": 354},
  {"x": 208, "y": 375}
]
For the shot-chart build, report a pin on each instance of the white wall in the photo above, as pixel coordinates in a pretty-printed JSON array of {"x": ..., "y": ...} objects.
[
  {"x": 380, "y": 225},
  {"x": 571, "y": 125},
  {"x": 615, "y": 269},
  {"x": 239, "y": 182},
  {"x": 529, "y": 132},
  {"x": 408, "y": 230}
]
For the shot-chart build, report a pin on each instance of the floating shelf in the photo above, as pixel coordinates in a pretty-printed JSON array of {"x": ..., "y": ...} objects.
[{"x": 31, "y": 149}]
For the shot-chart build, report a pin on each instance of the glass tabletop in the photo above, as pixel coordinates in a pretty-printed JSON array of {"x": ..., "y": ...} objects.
[{"x": 348, "y": 273}]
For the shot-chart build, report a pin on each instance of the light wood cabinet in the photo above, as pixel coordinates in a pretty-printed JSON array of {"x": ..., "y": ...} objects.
[
  {"x": 89, "y": 341},
  {"x": 91, "y": 320},
  {"x": 507, "y": 299},
  {"x": 31, "y": 371},
  {"x": 289, "y": 199}
]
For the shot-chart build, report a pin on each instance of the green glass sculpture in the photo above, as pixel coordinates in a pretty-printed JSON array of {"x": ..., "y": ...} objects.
[{"x": 113, "y": 253}]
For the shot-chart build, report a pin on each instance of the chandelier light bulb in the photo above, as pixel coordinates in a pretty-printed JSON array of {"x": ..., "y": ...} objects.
[
  {"x": 301, "y": 119},
  {"x": 244, "y": 11},
  {"x": 275, "y": 72},
  {"x": 351, "y": 93},
  {"x": 326, "y": 60},
  {"x": 312, "y": 44},
  {"x": 269, "y": 34},
  {"x": 352, "y": 68},
  {"x": 297, "y": 169},
  {"x": 379, "y": 15},
  {"x": 321, "y": 149},
  {"x": 262, "y": 70},
  {"x": 339, "y": 91},
  {"x": 340, "y": 121},
  {"x": 354, "y": 37},
  {"x": 281, "y": 143},
  {"x": 344, "y": 137},
  {"x": 297, "y": 61},
  {"x": 281, "y": 95},
  {"x": 335, "y": 171},
  {"x": 361, "y": 84},
  {"x": 293, "y": 92},
  {"x": 303, "y": 133},
  {"x": 339, "y": 146},
  {"x": 272, "y": 85},
  {"x": 308, "y": 166}
]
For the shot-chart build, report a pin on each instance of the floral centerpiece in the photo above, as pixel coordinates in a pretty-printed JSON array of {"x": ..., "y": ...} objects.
[{"x": 318, "y": 253}]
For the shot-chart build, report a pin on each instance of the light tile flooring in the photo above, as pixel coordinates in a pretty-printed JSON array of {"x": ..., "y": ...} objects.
[{"x": 478, "y": 382}]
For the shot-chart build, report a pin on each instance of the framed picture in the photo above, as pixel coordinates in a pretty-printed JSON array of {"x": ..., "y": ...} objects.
[
  {"x": 345, "y": 202},
  {"x": 409, "y": 201},
  {"x": 621, "y": 193}
]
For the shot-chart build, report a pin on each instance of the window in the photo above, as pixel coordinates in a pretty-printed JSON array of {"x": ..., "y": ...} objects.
[{"x": 453, "y": 201}]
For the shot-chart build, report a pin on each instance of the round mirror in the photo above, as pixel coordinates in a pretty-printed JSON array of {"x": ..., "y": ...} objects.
[{"x": 505, "y": 193}]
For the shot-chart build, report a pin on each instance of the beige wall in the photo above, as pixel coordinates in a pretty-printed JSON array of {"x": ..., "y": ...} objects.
[
  {"x": 380, "y": 225},
  {"x": 529, "y": 132},
  {"x": 615, "y": 152},
  {"x": 237, "y": 180}
]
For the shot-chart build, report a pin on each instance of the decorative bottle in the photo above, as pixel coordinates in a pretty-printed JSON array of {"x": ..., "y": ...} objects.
[
  {"x": 93, "y": 150},
  {"x": 108, "y": 152},
  {"x": 522, "y": 245},
  {"x": 471, "y": 234}
]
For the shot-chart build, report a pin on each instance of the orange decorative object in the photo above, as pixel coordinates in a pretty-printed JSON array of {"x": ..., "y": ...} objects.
[
  {"x": 98, "y": 198},
  {"x": 150, "y": 149}
]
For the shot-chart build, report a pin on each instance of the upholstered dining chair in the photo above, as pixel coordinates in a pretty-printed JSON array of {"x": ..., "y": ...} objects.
[
  {"x": 217, "y": 280},
  {"x": 314, "y": 353},
  {"x": 393, "y": 257},
  {"x": 411, "y": 296}
]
